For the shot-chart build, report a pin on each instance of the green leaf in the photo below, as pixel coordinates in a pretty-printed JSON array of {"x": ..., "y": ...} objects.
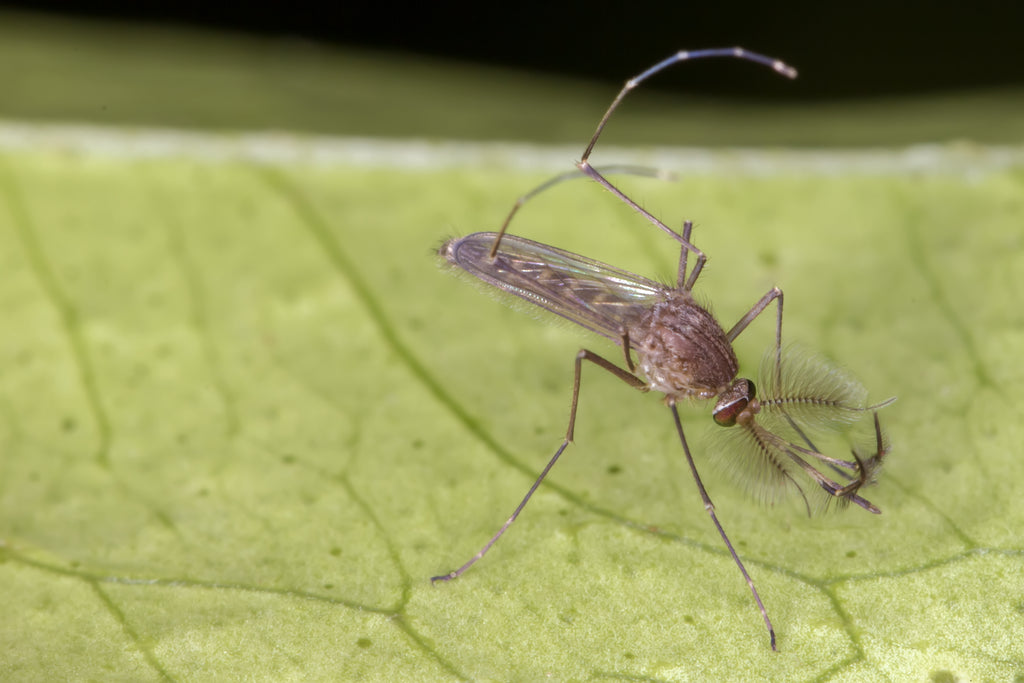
[{"x": 244, "y": 418}]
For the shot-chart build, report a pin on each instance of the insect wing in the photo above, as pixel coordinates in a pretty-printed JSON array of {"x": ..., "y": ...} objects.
[{"x": 592, "y": 294}]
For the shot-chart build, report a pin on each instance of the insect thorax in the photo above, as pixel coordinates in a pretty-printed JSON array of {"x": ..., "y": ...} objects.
[{"x": 683, "y": 351}]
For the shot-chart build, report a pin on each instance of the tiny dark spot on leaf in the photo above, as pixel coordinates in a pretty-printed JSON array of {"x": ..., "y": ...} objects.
[
  {"x": 942, "y": 676},
  {"x": 328, "y": 586},
  {"x": 203, "y": 492},
  {"x": 75, "y": 564},
  {"x": 614, "y": 469},
  {"x": 1019, "y": 608},
  {"x": 335, "y": 551},
  {"x": 769, "y": 259},
  {"x": 288, "y": 459},
  {"x": 628, "y": 655},
  {"x": 687, "y": 619},
  {"x": 417, "y": 444},
  {"x": 851, "y": 553},
  {"x": 68, "y": 424},
  {"x": 563, "y": 512},
  {"x": 364, "y": 643}
]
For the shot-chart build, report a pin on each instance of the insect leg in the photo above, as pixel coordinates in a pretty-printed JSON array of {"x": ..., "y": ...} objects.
[
  {"x": 570, "y": 175},
  {"x": 846, "y": 493},
  {"x": 710, "y": 508},
  {"x": 628, "y": 378},
  {"x": 583, "y": 355},
  {"x": 866, "y": 469},
  {"x": 626, "y": 350},
  {"x": 684, "y": 55},
  {"x": 681, "y": 277},
  {"x": 592, "y": 173},
  {"x": 774, "y": 294}
]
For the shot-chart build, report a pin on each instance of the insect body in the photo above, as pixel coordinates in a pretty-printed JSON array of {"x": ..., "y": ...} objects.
[{"x": 682, "y": 352}]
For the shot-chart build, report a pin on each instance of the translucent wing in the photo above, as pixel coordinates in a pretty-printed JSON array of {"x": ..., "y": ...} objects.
[{"x": 595, "y": 295}]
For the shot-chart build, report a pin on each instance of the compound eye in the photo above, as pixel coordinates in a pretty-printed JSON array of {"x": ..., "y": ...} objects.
[
  {"x": 733, "y": 401},
  {"x": 725, "y": 414}
]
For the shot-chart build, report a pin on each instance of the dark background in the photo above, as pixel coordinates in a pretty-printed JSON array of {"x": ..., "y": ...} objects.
[{"x": 844, "y": 49}]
